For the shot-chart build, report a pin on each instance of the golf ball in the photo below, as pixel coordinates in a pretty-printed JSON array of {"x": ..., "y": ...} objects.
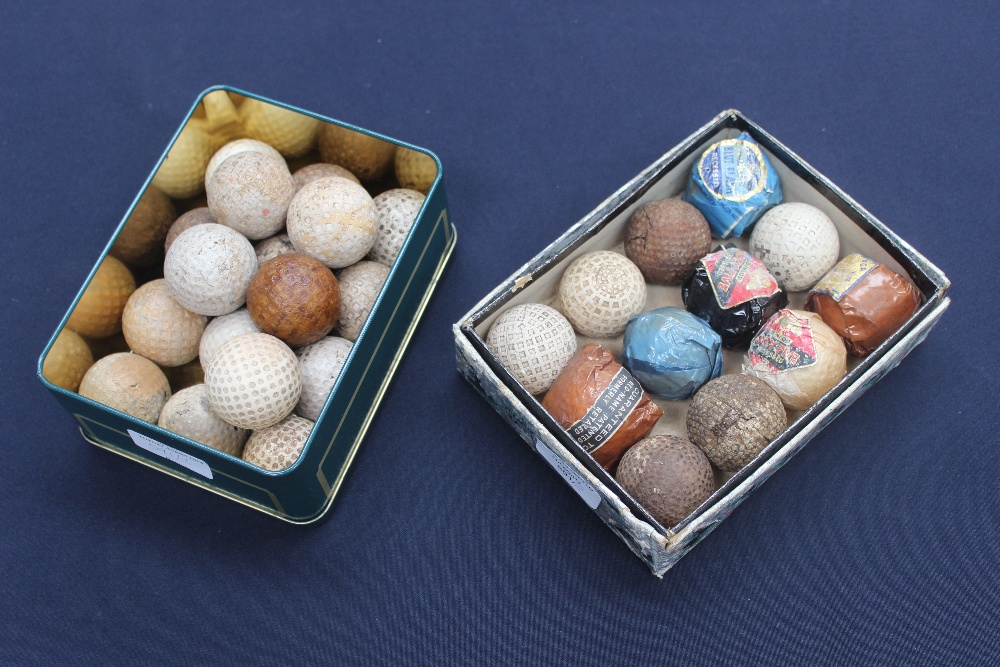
[
  {"x": 600, "y": 292},
  {"x": 189, "y": 413},
  {"x": 250, "y": 192},
  {"x": 334, "y": 220},
  {"x": 321, "y": 364},
  {"x": 98, "y": 314},
  {"x": 208, "y": 269},
  {"x": 279, "y": 446},
  {"x": 221, "y": 329},
  {"x": 359, "y": 287},
  {"x": 68, "y": 360},
  {"x": 397, "y": 211},
  {"x": 534, "y": 342},
  {"x": 365, "y": 156},
  {"x": 798, "y": 244},
  {"x": 129, "y": 383}
]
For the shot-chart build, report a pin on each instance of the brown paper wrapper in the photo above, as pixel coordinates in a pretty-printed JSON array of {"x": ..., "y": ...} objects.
[{"x": 601, "y": 405}]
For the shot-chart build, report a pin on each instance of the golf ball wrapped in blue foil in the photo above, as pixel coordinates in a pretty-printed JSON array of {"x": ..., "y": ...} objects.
[{"x": 671, "y": 352}]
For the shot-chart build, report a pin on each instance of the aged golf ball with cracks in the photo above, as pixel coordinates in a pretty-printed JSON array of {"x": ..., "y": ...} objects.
[
  {"x": 278, "y": 447},
  {"x": 250, "y": 192},
  {"x": 397, "y": 211},
  {"x": 294, "y": 297},
  {"x": 334, "y": 220},
  {"x": 189, "y": 413},
  {"x": 208, "y": 269},
  {"x": 98, "y": 314},
  {"x": 253, "y": 381},
  {"x": 666, "y": 238},
  {"x": 129, "y": 383},
  {"x": 159, "y": 328},
  {"x": 600, "y": 291},
  {"x": 321, "y": 364},
  {"x": 238, "y": 146},
  {"x": 534, "y": 342},
  {"x": 359, "y": 287},
  {"x": 184, "y": 222}
]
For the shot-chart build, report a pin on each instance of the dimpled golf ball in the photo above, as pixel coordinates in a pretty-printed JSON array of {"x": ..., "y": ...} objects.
[
  {"x": 221, "y": 329},
  {"x": 189, "y": 413},
  {"x": 250, "y": 192},
  {"x": 129, "y": 383},
  {"x": 534, "y": 342},
  {"x": 272, "y": 247},
  {"x": 732, "y": 418},
  {"x": 253, "y": 380},
  {"x": 415, "y": 170},
  {"x": 182, "y": 172},
  {"x": 294, "y": 297},
  {"x": 668, "y": 475},
  {"x": 238, "y": 146},
  {"x": 798, "y": 244},
  {"x": 279, "y": 446},
  {"x": 208, "y": 269},
  {"x": 365, "y": 156},
  {"x": 314, "y": 172},
  {"x": 193, "y": 218},
  {"x": 140, "y": 242},
  {"x": 98, "y": 314},
  {"x": 68, "y": 360},
  {"x": 665, "y": 239},
  {"x": 397, "y": 211},
  {"x": 321, "y": 364},
  {"x": 291, "y": 132},
  {"x": 334, "y": 220},
  {"x": 600, "y": 291},
  {"x": 159, "y": 328},
  {"x": 359, "y": 287}
]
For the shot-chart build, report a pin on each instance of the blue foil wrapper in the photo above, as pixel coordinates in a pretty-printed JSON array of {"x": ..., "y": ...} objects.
[
  {"x": 671, "y": 352},
  {"x": 732, "y": 184}
]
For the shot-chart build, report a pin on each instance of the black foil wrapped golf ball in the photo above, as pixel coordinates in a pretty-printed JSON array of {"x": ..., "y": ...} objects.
[{"x": 733, "y": 291}]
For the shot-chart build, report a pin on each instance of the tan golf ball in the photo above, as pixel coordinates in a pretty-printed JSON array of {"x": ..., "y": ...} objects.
[
  {"x": 250, "y": 192},
  {"x": 279, "y": 446},
  {"x": 415, "y": 170},
  {"x": 189, "y": 413},
  {"x": 600, "y": 292},
  {"x": 333, "y": 220},
  {"x": 129, "y": 383},
  {"x": 98, "y": 314},
  {"x": 314, "y": 172},
  {"x": 68, "y": 360},
  {"x": 397, "y": 211},
  {"x": 291, "y": 132},
  {"x": 321, "y": 364},
  {"x": 159, "y": 328},
  {"x": 184, "y": 222},
  {"x": 223, "y": 328},
  {"x": 798, "y": 244},
  {"x": 367, "y": 157},
  {"x": 182, "y": 172},
  {"x": 534, "y": 342},
  {"x": 208, "y": 269},
  {"x": 359, "y": 287},
  {"x": 238, "y": 146}
]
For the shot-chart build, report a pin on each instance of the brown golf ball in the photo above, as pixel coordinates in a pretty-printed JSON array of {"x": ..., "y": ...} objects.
[
  {"x": 667, "y": 475},
  {"x": 665, "y": 239},
  {"x": 732, "y": 418},
  {"x": 159, "y": 328},
  {"x": 68, "y": 360},
  {"x": 294, "y": 297},
  {"x": 140, "y": 243},
  {"x": 365, "y": 156},
  {"x": 279, "y": 446},
  {"x": 129, "y": 383},
  {"x": 98, "y": 314}
]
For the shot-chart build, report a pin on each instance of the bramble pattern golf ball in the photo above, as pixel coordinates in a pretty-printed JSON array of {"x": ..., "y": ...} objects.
[
  {"x": 600, "y": 291},
  {"x": 279, "y": 446},
  {"x": 534, "y": 342},
  {"x": 321, "y": 364},
  {"x": 189, "y": 413},
  {"x": 221, "y": 329},
  {"x": 396, "y": 210},
  {"x": 159, "y": 328},
  {"x": 798, "y": 244},
  {"x": 208, "y": 269}
]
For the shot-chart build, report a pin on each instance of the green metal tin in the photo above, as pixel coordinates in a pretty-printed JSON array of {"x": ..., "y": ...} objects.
[{"x": 304, "y": 492}]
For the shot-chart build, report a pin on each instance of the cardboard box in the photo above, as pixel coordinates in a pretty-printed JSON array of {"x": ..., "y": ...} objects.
[
  {"x": 304, "y": 492},
  {"x": 537, "y": 282}
]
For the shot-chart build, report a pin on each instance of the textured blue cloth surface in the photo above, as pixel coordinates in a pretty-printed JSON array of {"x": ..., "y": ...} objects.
[{"x": 451, "y": 542}]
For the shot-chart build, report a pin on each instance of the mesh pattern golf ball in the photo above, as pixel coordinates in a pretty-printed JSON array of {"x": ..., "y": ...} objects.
[
  {"x": 415, "y": 170},
  {"x": 600, "y": 291},
  {"x": 359, "y": 287},
  {"x": 334, "y": 220},
  {"x": 189, "y": 413},
  {"x": 279, "y": 446},
  {"x": 365, "y": 156},
  {"x": 314, "y": 172},
  {"x": 159, "y": 328},
  {"x": 291, "y": 132},
  {"x": 222, "y": 329},
  {"x": 68, "y": 360},
  {"x": 272, "y": 247},
  {"x": 208, "y": 269},
  {"x": 193, "y": 218},
  {"x": 98, "y": 313},
  {"x": 534, "y": 342},
  {"x": 238, "y": 146},
  {"x": 140, "y": 242},
  {"x": 798, "y": 244},
  {"x": 129, "y": 383},
  {"x": 250, "y": 192},
  {"x": 321, "y": 364},
  {"x": 253, "y": 381},
  {"x": 396, "y": 210}
]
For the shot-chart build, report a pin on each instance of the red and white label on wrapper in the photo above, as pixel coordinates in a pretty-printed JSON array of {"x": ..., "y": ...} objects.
[
  {"x": 737, "y": 276},
  {"x": 783, "y": 343}
]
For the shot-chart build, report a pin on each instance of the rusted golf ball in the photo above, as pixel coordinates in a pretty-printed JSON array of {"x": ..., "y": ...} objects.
[
  {"x": 359, "y": 287},
  {"x": 279, "y": 446},
  {"x": 321, "y": 364},
  {"x": 129, "y": 383},
  {"x": 221, "y": 329},
  {"x": 397, "y": 210},
  {"x": 250, "y": 192},
  {"x": 294, "y": 297},
  {"x": 140, "y": 243},
  {"x": 333, "y": 220},
  {"x": 208, "y": 269},
  {"x": 367, "y": 157},
  {"x": 68, "y": 360},
  {"x": 318, "y": 170},
  {"x": 193, "y": 218},
  {"x": 600, "y": 292},
  {"x": 189, "y": 413},
  {"x": 159, "y": 328},
  {"x": 665, "y": 239},
  {"x": 667, "y": 475},
  {"x": 534, "y": 342},
  {"x": 732, "y": 418},
  {"x": 98, "y": 313}
]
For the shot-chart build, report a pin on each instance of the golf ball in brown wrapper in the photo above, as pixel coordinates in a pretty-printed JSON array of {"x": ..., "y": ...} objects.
[
  {"x": 668, "y": 476},
  {"x": 665, "y": 239},
  {"x": 864, "y": 302},
  {"x": 601, "y": 405},
  {"x": 534, "y": 342},
  {"x": 600, "y": 292},
  {"x": 294, "y": 297},
  {"x": 732, "y": 418},
  {"x": 799, "y": 356}
]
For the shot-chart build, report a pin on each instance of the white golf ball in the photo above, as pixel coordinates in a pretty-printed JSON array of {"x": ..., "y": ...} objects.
[
  {"x": 333, "y": 220},
  {"x": 600, "y": 292},
  {"x": 397, "y": 211},
  {"x": 189, "y": 413},
  {"x": 798, "y": 244},
  {"x": 534, "y": 342},
  {"x": 208, "y": 269},
  {"x": 238, "y": 146},
  {"x": 250, "y": 192},
  {"x": 221, "y": 329},
  {"x": 321, "y": 364},
  {"x": 279, "y": 446},
  {"x": 359, "y": 287}
]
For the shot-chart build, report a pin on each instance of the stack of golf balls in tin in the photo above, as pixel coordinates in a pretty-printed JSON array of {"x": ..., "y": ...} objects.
[
  {"x": 230, "y": 323},
  {"x": 702, "y": 326}
]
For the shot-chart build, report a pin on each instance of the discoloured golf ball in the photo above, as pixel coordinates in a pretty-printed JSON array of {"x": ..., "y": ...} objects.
[
  {"x": 798, "y": 244},
  {"x": 397, "y": 211},
  {"x": 253, "y": 381},
  {"x": 272, "y": 247},
  {"x": 359, "y": 287},
  {"x": 534, "y": 342},
  {"x": 140, "y": 243},
  {"x": 294, "y": 297},
  {"x": 665, "y": 239},
  {"x": 208, "y": 269},
  {"x": 238, "y": 146},
  {"x": 415, "y": 170},
  {"x": 250, "y": 192},
  {"x": 600, "y": 291},
  {"x": 189, "y": 413},
  {"x": 314, "y": 172},
  {"x": 365, "y": 156},
  {"x": 291, "y": 132},
  {"x": 668, "y": 476},
  {"x": 334, "y": 220},
  {"x": 193, "y": 218},
  {"x": 321, "y": 364},
  {"x": 732, "y": 418},
  {"x": 159, "y": 328},
  {"x": 182, "y": 173},
  {"x": 279, "y": 446},
  {"x": 68, "y": 360},
  {"x": 129, "y": 383},
  {"x": 98, "y": 314},
  {"x": 221, "y": 329}
]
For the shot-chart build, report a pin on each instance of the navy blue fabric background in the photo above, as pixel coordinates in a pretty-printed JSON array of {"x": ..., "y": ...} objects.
[{"x": 451, "y": 542}]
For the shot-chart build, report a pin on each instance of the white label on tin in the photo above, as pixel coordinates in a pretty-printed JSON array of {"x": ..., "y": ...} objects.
[
  {"x": 572, "y": 477},
  {"x": 166, "y": 451}
]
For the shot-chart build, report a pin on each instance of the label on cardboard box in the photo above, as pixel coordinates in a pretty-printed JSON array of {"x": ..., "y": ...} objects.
[
  {"x": 572, "y": 477},
  {"x": 192, "y": 463}
]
